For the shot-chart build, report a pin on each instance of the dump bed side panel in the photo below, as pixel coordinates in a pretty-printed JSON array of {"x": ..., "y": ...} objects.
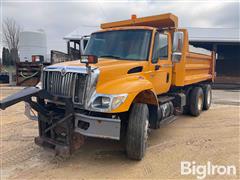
[
  {"x": 198, "y": 67},
  {"x": 193, "y": 67}
]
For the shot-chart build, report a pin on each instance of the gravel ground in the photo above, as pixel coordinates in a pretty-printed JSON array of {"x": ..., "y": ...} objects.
[{"x": 214, "y": 136}]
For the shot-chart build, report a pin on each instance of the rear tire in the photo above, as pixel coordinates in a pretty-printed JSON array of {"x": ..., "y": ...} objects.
[
  {"x": 207, "y": 92},
  {"x": 196, "y": 101},
  {"x": 186, "y": 108},
  {"x": 137, "y": 131}
]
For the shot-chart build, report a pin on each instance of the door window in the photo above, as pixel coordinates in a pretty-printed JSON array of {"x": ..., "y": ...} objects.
[{"x": 160, "y": 50}]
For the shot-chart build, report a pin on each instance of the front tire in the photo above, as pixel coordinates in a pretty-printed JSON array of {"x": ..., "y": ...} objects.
[
  {"x": 137, "y": 131},
  {"x": 196, "y": 101}
]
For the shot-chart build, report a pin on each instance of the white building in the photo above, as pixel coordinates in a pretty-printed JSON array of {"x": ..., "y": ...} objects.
[{"x": 32, "y": 43}]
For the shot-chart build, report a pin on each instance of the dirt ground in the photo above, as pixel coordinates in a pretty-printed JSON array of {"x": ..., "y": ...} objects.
[{"x": 214, "y": 136}]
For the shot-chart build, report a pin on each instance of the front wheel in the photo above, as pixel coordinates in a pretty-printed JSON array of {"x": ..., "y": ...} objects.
[{"x": 137, "y": 131}]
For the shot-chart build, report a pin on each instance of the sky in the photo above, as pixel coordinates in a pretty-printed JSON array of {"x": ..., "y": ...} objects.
[{"x": 59, "y": 18}]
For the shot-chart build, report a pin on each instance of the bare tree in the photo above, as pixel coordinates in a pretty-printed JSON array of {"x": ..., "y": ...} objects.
[{"x": 11, "y": 32}]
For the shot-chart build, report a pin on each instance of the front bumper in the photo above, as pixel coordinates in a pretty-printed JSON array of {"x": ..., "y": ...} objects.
[{"x": 97, "y": 126}]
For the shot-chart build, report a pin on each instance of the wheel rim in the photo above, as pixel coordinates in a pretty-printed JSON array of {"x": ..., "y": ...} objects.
[{"x": 200, "y": 103}]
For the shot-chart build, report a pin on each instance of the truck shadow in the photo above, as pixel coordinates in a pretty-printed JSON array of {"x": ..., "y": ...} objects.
[
  {"x": 94, "y": 150},
  {"x": 105, "y": 150}
]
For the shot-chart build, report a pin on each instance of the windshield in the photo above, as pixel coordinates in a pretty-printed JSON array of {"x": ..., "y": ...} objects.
[{"x": 121, "y": 44}]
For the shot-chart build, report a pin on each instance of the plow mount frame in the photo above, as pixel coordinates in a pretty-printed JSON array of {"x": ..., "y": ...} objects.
[{"x": 49, "y": 119}]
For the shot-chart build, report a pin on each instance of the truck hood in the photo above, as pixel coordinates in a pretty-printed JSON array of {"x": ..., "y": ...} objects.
[
  {"x": 102, "y": 63},
  {"x": 109, "y": 68}
]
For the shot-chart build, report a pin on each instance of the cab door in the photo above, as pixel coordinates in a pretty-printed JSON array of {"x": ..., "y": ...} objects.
[{"x": 161, "y": 64}]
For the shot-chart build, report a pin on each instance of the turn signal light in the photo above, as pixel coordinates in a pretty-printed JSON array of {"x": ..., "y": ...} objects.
[{"x": 89, "y": 59}]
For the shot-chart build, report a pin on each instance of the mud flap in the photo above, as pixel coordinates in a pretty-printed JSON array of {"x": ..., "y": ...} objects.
[{"x": 22, "y": 95}]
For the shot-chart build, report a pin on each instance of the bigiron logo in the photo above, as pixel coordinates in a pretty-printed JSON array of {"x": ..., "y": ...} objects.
[{"x": 202, "y": 171}]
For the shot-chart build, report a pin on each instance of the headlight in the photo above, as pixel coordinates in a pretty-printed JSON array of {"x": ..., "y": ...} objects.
[
  {"x": 101, "y": 102},
  {"x": 104, "y": 102}
]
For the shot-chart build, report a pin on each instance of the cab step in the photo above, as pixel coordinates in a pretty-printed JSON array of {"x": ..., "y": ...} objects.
[{"x": 164, "y": 99}]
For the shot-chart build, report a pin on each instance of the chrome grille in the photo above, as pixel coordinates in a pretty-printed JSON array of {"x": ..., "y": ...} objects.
[{"x": 70, "y": 84}]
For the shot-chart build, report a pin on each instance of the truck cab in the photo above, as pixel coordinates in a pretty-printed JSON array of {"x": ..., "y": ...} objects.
[
  {"x": 133, "y": 75},
  {"x": 141, "y": 49}
]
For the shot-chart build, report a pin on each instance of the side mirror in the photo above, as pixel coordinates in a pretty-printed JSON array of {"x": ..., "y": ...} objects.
[
  {"x": 177, "y": 46},
  {"x": 89, "y": 59}
]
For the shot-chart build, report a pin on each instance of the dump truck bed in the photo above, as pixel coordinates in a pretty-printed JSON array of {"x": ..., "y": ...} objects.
[{"x": 194, "y": 68}]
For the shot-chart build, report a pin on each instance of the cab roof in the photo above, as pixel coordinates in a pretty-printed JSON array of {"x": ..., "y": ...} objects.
[{"x": 158, "y": 21}]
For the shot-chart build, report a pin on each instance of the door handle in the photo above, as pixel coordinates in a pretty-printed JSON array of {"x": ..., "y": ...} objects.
[
  {"x": 166, "y": 65},
  {"x": 157, "y": 67}
]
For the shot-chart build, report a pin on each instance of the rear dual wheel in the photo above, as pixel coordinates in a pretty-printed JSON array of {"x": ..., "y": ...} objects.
[
  {"x": 207, "y": 91},
  {"x": 196, "y": 101},
  {"x": 200, "y": 99}
]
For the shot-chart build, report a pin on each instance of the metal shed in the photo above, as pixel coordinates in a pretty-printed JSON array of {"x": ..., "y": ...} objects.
[{"x": 226, "y": 43}]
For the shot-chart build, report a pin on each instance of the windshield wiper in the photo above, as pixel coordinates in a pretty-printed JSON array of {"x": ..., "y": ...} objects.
[{"x": 110, "y": 56}]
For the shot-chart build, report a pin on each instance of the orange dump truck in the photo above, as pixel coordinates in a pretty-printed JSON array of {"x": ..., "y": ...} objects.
[{"x": 135, "y": 75}]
